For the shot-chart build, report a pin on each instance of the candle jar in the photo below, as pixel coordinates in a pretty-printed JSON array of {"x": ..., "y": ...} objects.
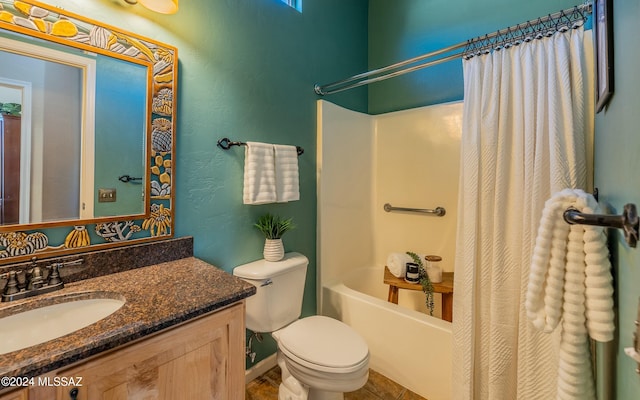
[
  {"x": 413, "y": 273},
  {"x": 433, "y": 268}
]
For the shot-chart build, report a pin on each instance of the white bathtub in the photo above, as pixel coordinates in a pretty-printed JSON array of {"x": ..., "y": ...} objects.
[{"x": 407, "y": 346}]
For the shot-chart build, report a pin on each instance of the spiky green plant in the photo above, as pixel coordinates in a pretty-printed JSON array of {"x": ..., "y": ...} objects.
[
  {"x": 273, "y": 227},
  {"x": 427, "y": 286}
]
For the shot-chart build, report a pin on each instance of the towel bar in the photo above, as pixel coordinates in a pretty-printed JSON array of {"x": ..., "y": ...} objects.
[
  {"x": 128, "y": 178},
  {"x": 628, "y": 221},
  {"x": 226, "y": 144}
]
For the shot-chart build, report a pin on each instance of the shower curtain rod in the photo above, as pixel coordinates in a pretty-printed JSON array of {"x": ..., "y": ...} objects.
[{"x": 481, "y": 44}]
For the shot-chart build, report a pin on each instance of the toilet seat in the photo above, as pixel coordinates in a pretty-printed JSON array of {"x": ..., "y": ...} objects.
[{"x": 323, "y": 344}]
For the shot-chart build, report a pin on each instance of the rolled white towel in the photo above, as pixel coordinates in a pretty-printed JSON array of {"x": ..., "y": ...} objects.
[{"x": 397, "y": 263}]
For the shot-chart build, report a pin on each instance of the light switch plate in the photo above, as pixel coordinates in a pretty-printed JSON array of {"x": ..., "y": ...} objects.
[{"x": 106, "y": 195}]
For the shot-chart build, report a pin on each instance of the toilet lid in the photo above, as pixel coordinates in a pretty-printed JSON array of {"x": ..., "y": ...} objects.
[{"x": 323, "y": 341}]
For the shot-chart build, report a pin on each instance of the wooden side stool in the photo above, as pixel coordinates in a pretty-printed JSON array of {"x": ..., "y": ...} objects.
[{"x": 445, "y": 288}]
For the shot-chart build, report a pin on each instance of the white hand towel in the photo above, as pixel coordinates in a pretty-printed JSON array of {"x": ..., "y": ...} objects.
[
  {"x": 562, "y": 254},
  {"x": 570, "y": 280},
  {"x": 397, "y": 264},
  {"x": 259, "y": 174},
  {"x": 287, "y": 176}
]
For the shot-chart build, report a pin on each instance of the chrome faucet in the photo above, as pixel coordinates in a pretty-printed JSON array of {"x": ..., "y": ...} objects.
[{"x": 33, "y": 281}]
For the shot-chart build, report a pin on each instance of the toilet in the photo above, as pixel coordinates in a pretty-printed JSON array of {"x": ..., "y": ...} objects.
[{"x": 320, "y": 357}]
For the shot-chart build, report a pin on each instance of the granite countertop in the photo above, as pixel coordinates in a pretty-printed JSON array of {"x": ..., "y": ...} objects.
[{"x": 156, "y": 297}]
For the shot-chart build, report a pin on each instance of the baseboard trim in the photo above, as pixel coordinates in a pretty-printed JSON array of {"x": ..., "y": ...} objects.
[{"x": 260, "y": 368}]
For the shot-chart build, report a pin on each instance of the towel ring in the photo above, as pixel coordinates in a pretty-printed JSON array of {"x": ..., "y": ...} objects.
[{"x": 628, "y": 221}]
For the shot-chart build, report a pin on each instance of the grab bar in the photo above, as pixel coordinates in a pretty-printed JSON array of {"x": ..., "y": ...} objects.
[{"x": 438, "y": 211}]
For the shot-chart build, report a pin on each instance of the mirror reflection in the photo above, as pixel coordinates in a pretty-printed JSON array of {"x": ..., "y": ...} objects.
[{"x": 71, "y": 124}]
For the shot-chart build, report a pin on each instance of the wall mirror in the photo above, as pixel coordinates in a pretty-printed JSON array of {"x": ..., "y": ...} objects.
[{"x": 86, "y": 133}]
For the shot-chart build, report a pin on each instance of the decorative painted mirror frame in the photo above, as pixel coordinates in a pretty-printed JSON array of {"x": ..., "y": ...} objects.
[{"x": 46, "y": 22}]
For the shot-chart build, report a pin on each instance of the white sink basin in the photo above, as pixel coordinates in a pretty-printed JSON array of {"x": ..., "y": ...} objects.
[{"x": 39, "y": 325}]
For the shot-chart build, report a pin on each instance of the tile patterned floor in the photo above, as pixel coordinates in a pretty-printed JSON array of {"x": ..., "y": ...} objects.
[{"x": 378, "y": 387}]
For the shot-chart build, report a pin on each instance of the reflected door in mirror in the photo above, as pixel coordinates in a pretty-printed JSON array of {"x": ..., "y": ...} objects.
[{"x": 10, "y": 167}]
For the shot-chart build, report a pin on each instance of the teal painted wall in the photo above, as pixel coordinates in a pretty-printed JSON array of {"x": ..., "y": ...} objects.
[
  {"x": 403, "y": 29},
  {"x": 617, "y": 164},
  {"x": 246, "y": 71}
]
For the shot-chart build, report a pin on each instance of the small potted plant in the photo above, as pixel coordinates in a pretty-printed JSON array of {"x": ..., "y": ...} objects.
[
  {"x": 427, "y": 285},
  {"x": 273, "y": 227}
]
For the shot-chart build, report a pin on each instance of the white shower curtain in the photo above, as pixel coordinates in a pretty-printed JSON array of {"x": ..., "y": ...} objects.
[{"x": 524, "y": 138}]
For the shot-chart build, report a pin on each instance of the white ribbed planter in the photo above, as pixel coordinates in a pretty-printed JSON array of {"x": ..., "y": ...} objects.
[{"x": 273, "y": 250}]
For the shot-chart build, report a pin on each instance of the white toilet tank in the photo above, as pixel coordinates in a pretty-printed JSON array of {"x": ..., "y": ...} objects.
[{"x": 280, "y": 287}]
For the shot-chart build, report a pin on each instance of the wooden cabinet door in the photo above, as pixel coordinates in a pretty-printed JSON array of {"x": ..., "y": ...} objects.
[
  {"x": 21, "y": 394},
  {"x": 203, "y": 359}
]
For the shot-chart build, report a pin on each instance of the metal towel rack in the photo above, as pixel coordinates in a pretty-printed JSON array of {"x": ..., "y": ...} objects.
[
  {"x": 438, "y": 211},
  {"x": 628, "y": 221},
  {"x": 226, "y": 144}
]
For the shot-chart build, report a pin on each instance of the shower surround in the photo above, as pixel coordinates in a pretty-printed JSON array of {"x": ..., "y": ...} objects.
[{"x": 408, "y": 159}]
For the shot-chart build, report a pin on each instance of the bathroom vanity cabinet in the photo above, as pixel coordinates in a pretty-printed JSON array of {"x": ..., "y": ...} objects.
[
  {"x": 201, "y": 359},
  {"x": 22, "y": 394}
]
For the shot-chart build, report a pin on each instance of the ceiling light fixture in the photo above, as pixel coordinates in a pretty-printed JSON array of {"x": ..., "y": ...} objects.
[{"x": 160, "y": 6}]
